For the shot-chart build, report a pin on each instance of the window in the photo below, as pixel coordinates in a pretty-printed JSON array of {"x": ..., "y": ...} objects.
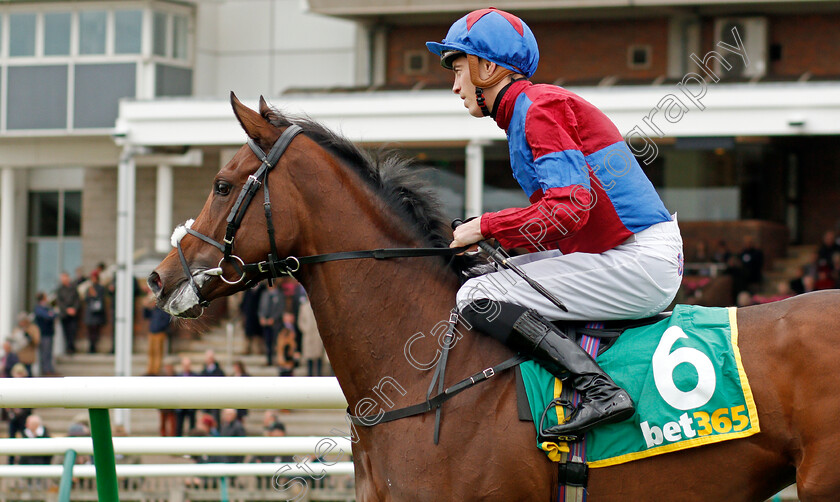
[
  {"x": 66, "y": 65},
  {"x": 92, "y": 31},
  {"x": 54, "y": 239},
  {"x": 159, "y": 32},
  {"x": 416, "y": 62},
  {"x": 21, "y": 35},
  {"x": 96, "y": 105},
  {"x": 179, "y": 37},
  {"x": 128, "y": 31},
  {"x": 172, "y": 80},
  {"x": 639, "y": 56},
  {"x": 57, "y": 34},
  {"x": 37, "y": 97}
]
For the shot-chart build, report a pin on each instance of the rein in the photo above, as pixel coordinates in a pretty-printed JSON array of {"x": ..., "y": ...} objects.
[{"x": 273, "y": 266}]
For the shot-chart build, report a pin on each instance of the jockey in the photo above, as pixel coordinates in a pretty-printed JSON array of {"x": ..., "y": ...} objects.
[{"x": 600, "y": 237}]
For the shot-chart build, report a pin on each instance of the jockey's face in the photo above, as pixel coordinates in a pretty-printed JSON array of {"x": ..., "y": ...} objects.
[{"x": 464, "y": 87}]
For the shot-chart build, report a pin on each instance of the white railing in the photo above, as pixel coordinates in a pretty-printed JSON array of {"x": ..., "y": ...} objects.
[
  {"x": 173, "y": 392},
  {"x": 98, "y": 394},
  {"x": 252, "y": 445}
]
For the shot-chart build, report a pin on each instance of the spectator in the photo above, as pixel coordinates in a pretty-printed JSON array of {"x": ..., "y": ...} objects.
[
  {"x": 9, "y": 359},
  {"x": 231, "y": 427},
  {"x": 824, "y": 280},
  {"x": 45, "y": 319},
  {"x": 828, "y": 247},
  {"x": 17, "y": 416},
  {"x": 206, "y": 426},
  {"x": 25, "y": 339},
  {"x": 79, "y": 429},
  {"x": 744, "y": 299},
  {"x": 251, "y": 318},
  {"x": 722, "y": 253},
  {"x": 808, "y": 284},
  {"x": 168, "y": 417},
  {"x": 701, "y": 252},
  {"x": 269, "y": 417},
  {"x": 95, "y": 316},
  {"x": 287, "y": 353},
  {"x": 69, "y": 305},
  {"x": 212, "y": 369},
  {"x": 211, "y": 366},
  {"x": 293, "y": 293},
  {"x": 835, "y": 269},
  {"x": 119, "y": 458},
  {"x": 752, "y": 262},
  {"x": 312, "y": 348},
  {"x": 797, "y": 284},
  {"x": 78, "y": 277},
  {"x": 783, "y": 292},
  {"x": 35, "y": 429},
  {"x": 181, "y": 415},
  {"x": 240, "y": 371},
  {"x": 270, "y": 313},
  {"x": 158, "y": 326},
  {"x": 736, "y": 272},
  {"x": 275, "y": 429}
]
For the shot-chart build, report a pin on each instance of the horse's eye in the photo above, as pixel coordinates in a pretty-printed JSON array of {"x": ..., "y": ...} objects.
[{"x": 222, "y": 188}]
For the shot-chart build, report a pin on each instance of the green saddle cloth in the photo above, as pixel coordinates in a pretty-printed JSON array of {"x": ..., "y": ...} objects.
[{"x": 685, "y": 375}]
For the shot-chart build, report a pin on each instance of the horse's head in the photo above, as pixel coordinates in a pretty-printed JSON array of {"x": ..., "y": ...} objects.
[{"x": 218, "y": 253}]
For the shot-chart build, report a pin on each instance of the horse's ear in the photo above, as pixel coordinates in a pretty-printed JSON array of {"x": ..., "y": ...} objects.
[
  {"x": 256, "y": 127},
  {"x": 272, "y": 115},
  {"x": 265, "y": 110}
]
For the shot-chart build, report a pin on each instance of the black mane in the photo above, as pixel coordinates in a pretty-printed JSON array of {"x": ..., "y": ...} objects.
[{"x": 392, "y": 176}]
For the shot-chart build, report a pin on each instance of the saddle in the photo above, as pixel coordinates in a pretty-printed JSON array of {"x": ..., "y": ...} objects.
[{"x": 608, "y": 331}]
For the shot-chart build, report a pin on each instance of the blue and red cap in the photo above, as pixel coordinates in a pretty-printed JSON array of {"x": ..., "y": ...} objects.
[{"x": 494, "y": 35}]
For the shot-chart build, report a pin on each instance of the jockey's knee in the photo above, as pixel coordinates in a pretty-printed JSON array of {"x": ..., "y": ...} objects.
[
  {"x": 492, "y": 317},
  {"x": 478, "y": 288}
]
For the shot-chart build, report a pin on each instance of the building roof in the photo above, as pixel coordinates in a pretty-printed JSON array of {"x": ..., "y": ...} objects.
[{"x": 437, "y": 117}]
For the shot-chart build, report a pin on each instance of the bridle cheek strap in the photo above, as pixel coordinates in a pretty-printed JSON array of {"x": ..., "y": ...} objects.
[
  {"x": 260, "y": 177},
  {"x": 237, "y": 212},
  {"x": 273, "y": 266}
]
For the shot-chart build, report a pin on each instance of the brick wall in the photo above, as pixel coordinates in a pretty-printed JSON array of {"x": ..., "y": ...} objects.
[
  {"x": 587, "y": 51},
  {"x": 99, "y": 217},
  {"x": 99, "y": 207},
  {"x": 819, "y": 176},
  {"x": 580, "y": 50},
  {"x": 809, "y": 43}
]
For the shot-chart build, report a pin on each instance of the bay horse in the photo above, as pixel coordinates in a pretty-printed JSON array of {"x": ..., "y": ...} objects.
[{"x": 328, "y": 196}]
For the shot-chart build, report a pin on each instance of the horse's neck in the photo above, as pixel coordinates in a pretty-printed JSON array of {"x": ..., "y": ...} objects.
[{"x": 367, "y": 310}]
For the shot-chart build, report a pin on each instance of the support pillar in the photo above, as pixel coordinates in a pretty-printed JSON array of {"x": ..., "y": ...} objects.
[
  {"x": 163, "y": 209},
  {"x": 7, "y": 254},
  {"x": 124, "y": 312},
  {"x": 474, "y": 182}
]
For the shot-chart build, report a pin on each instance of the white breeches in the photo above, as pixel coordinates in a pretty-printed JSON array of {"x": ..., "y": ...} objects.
[{"x": 633, "y": 280}]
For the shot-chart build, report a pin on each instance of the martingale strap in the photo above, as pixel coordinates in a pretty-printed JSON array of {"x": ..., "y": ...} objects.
[{"x": 438, "y": 400}]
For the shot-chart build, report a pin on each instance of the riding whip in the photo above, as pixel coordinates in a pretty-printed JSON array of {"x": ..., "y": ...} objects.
[{"x": 503, "y": 262}]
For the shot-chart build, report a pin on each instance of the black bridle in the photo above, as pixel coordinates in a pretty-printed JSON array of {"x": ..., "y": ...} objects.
[{"x": 273, "y": 267}]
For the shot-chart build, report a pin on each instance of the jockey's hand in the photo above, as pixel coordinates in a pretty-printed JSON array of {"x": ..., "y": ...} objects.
[{"x": 467, "y": 233}]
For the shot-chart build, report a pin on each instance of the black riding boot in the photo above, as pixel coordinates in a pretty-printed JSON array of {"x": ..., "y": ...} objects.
[
  {"x": 602, "y": 401},
  {"x": 524, "y": 330}
]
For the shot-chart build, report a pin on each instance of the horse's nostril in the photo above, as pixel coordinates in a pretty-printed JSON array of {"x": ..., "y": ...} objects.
[{"x": 155, "y": 283}]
